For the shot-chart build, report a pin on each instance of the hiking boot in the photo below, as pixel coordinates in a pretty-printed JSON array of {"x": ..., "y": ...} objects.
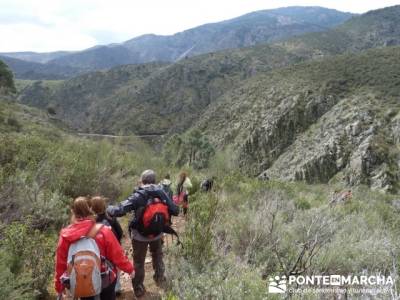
[{"x": 139, "y": 291}]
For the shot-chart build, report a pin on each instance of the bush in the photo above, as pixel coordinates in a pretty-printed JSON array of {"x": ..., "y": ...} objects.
[
  {"x": 12, "y": 286},
  {"x": 6, "y": 79},
  {"x": 14, "y": 123},
  {"x": 302, "y": 203},
  {"x": 225, "y": 278},
  {"x": 192, "y": 149},
  {"x": 252, "y": 230},
  {"x": 39, "y": 176},
  {"x": 198, "y": 237},
  {"x": 27, "y": 256},
  {"x": 51, "y": 111}
]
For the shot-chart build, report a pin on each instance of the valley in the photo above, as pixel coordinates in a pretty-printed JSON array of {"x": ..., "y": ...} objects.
[{"x": 294, "y": 113}]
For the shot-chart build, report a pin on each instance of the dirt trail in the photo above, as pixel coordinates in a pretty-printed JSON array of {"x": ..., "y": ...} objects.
[
  {"x": 153, "y": 291},
  {"x": 111, "y": 136}
]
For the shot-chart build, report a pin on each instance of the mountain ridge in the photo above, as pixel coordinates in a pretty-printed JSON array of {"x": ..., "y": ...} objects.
[
  {"x": 260, "y": 27},
  {"x": 261, "y": 101}
]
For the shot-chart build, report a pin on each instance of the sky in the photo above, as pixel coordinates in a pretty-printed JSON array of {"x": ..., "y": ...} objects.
[{"x": 51, "y": 25}]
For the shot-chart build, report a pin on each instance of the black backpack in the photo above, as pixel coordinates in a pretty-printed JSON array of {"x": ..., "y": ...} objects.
[{"x": 167, "y": 189}]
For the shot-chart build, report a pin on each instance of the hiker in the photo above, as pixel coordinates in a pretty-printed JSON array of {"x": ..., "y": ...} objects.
[
  {"x": 166, "y": 185},
  {"x": 182, "y": 191},
  {"x": 98, "y": 206},
  {"x": 86, "y": 248},
  {"x": 153, "y": 209},
  {"x": 207, "y": 184}
]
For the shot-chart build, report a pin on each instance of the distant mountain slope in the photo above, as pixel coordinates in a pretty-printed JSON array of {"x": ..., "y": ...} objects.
[
  {"x": 284, "y": 114},
  {"x": 248, "y": 30},
  {"x": 35, "y": 56},
  {"x": 99, "y": 57},
  {"x": 37, "y": 71},
  {"x": 153, "y": 98},
  {"x": 336, "y": 118},
  {"x": 174, "y": 96},
  {"x": 378, "y": 28}
]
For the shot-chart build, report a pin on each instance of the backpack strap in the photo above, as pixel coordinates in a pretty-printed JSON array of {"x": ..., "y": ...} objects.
[
  {"x": 94, "y": 230},
  {"x": 141, "y": 192},
  {"x": 169, "y": 230},
  {"x": 107, "y": 263}
]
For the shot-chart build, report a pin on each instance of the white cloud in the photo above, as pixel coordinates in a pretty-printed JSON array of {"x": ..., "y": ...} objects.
[
  {"x": 25, "y": 37},
  {"x": 49, "y": 25}
]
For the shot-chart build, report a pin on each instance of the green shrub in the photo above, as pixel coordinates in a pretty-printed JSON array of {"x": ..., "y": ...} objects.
[
  {"x": 13, "y": 286},
  {"x": 222, "y": 164},
  {"x": 192, "y": 149},
  {"x": 39, "y": 176},
  {"x": 225, "y": 278},
  {"x": 198, "y": 236},
  {"x": 6, "y": 79},
  {"x": 29, "y": 254},
  {"x": 302, "y": 203}
]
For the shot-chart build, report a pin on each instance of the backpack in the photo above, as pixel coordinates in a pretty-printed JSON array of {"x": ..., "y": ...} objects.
[
  {"x": 167, "y": 189},
  {"x": 179, "y": 199},
  {"x": 206, "y": 185},
  {"x": 84, "y": 265},
  {"x": 155, "y": 219}
]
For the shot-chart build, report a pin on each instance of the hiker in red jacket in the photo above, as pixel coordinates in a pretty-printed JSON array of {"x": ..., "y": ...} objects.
[{"x": 108, "y": 245}]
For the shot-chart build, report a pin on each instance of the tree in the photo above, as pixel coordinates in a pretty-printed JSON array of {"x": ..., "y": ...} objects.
[
  {"x": 51, "y": 111},
  {"x": 192, "y": 148},
  {"x": 6, "y": 78}
]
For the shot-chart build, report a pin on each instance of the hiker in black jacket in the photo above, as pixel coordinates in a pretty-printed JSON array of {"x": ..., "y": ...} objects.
[
  {"x": 98, "y": 206},
  {"x": 142, "y": 237}
]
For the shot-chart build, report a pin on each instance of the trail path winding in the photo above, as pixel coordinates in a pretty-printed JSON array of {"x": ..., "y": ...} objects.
[
  {"x": 117, "y": 136},
  {"x": 153, "y": 291}
]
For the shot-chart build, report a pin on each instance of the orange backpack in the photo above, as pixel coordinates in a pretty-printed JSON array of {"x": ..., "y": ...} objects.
[{"x": 84, "y": 265}]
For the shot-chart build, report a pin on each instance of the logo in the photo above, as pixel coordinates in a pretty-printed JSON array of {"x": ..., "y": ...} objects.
[
  {"x": 330, "y": 283},
  {"x": 335, "y": 280},
  {"x": 277, "y": 285}
]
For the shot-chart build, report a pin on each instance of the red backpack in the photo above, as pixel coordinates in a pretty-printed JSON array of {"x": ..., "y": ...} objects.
[{"x": 156, "y": 219}]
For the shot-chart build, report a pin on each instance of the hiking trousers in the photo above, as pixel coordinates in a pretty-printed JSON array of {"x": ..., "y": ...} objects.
[
  {"x": 185, "y": 204},
  {"x": 139, "y": 256}
]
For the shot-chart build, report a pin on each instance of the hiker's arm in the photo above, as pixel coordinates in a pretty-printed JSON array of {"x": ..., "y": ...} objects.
[
  {"x": 115, "y": 253},
  {"x": 61, "y": 264},
  {"x": 172, "y": 207},
  {"x": 131, "y": 203},
  {"x": 118, "y": 229}
]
